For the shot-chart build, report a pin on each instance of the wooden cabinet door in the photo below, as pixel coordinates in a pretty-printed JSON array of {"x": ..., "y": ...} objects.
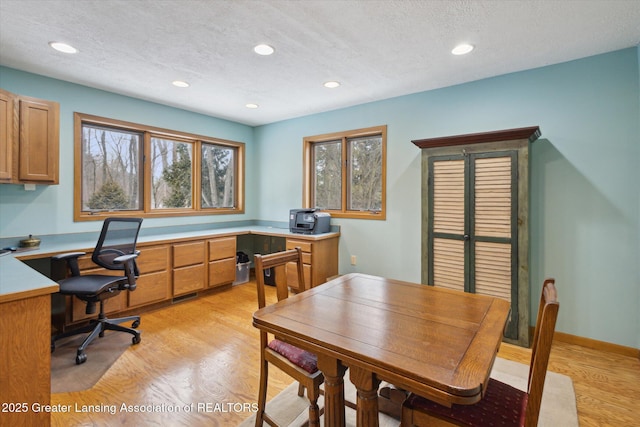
[
  {"x": 185, "y": 254},
  {"x": 292, "y": 276},
  {"x": 153, "y": 259},
  {"x": 25, "y": 340},
  {"x": 153, "y": 285},
  {"x": 111, "y": 305},
  {"x": 222, "y": 272},
  {"x": 7, "y": 135},
  {"x": 39, "y": 141},
  {"x": 222, "y": 261},
  {"x": 222, "y": 248},
  {"x": 320, "y": 261},
  {"x": 188, "y": 279},
  {"x": 188, "y": 267}
]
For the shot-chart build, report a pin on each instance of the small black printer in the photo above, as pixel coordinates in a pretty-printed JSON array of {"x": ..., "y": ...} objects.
[{"x": 309, "y": 221}]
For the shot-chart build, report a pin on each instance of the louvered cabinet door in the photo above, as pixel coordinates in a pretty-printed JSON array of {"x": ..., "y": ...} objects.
[
  {"x": 447, "y": 227},
  {"x": 472, "y": 238},
  {"x": 492, "y": 224}
]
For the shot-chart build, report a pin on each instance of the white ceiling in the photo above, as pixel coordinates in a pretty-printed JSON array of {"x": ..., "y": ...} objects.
[{"x": 376, "y": 49}]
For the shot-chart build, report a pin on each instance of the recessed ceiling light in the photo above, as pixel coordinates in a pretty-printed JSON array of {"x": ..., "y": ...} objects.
[
  {"x": 180, "y": 83},
  {"x": 263, "y": 49},
  {"x": 332, "y": 84},
  {"x": 462, "y": 49},
  {"x": 63, "y": 47},
  {"x": 252, "y": 106}
]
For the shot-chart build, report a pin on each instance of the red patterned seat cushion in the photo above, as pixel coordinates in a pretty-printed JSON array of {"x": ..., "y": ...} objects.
[
  {"x": 502, "y": 405},
  {"x": 302, "y": 358}
]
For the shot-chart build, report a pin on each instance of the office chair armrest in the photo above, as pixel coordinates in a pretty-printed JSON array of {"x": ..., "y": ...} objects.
[
  {"x": 72, "y": 261},
  {"x": 129, "y": 268}
]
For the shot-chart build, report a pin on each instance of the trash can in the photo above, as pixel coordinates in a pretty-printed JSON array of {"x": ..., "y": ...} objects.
[
  {"x": 270, "y": 276},
  {"x": 242, "y": 268}
]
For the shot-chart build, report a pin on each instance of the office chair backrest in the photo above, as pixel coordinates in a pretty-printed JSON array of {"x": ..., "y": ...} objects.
[{"x": 118, "y": 237}]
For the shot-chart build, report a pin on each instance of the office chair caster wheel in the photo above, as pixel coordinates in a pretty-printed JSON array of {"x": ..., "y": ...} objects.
[
  {"x": 135, "y": 324},
  {"x": 136, "y": 339},
  {"x": 81, "y": 358}
]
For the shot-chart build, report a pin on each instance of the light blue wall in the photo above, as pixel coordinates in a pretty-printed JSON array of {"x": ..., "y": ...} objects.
[
  {"x": 49, "y": 209},
  {"x": 585, "y": 213},
  {"x": 584, "y": 190},
  {"x": 637, "y": 262}
]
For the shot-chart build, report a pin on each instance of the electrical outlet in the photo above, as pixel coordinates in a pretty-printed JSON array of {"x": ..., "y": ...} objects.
[{"x": 353, "y": 260}]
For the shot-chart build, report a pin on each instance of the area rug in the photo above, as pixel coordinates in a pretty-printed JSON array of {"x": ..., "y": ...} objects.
[
  {"x": 558, "y": 400},
  {"x": 66, "y": 376}
]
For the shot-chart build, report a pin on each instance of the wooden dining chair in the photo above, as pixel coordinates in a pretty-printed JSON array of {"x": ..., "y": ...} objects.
[
  {"x": 501, "y": 405},
  {"x": 299, "y": 364}
]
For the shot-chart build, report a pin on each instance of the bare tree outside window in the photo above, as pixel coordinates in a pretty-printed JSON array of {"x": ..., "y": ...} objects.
[
  {"x": 217, "y": 176},
  {"x": 111, "y": 165},
  {"x": 365, "y": 174},
  {"x": 328, "y": 175}
]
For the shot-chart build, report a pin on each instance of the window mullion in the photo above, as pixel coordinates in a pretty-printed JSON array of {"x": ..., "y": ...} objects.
[
  {"x": 146, "y": 177},
  {"x": 196, "y": 181},
  {"x": 345, "y": 173}
]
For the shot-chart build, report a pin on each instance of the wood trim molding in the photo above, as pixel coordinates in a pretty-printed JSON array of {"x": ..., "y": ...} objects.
[
  {"x": 530, "y": 133},
  {"x": 595, "y": 344}
]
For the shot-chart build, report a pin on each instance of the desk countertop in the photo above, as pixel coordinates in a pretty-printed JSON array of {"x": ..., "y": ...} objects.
[{"x": 18, "y": 280}]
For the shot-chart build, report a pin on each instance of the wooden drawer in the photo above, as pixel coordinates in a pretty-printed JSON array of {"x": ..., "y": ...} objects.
[
  {"x": 150, "y": 259},
  {"x": 303, "y": 245},
  {"x": 102, "y": 271},
  {"x": 224, "y": 247},
  {"x": 306, "y": 258},
  {"x": 292, "y": 276},
  {"x": 153, "y": 258},
  {"x": 222, "y": 272},
  {"x": 111, "y": 305},
  {"x": 188, "y": 279},
  {"x": 188, "y": 254},
  {"x": 85, "y": 263},
  {"x": 150, "y": 288}
]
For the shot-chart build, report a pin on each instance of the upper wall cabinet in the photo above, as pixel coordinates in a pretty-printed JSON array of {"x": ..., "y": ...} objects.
[{"x": 29, "y": 140}]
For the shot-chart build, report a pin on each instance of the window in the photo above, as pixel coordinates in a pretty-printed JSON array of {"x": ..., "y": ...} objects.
[
  {"x": 345, "y": 173},
  {"x": 171, "y": 174},
  {"x": 217, "y": 176},
  {"x": 129, "y": 169},
  {"x": 111, "y": 165}
]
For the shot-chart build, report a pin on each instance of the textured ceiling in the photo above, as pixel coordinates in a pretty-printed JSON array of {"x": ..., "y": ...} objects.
[{"x": 376, "y": 49}]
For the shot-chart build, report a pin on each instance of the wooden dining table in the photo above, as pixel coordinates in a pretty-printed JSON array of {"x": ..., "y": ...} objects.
[{"x": 438, "y": 343}]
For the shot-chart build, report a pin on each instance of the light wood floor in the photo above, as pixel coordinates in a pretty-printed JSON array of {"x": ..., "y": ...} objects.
[{"x": 204, "y": 354}]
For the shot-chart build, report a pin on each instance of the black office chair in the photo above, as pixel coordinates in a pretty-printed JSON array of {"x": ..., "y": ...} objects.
[{"x": 116, "y": 250}]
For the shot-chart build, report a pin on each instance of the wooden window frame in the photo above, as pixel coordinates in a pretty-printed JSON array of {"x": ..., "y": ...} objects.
[
  {"x": 308, "y": 168},
  {"x": 148, "y": 132}
]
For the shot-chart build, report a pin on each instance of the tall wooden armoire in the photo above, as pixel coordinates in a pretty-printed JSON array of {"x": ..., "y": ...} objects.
[{"x": 475, "y": 225}]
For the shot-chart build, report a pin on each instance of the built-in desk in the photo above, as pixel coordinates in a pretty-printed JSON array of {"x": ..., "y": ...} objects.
[
  {"x": 25, "y": 324},
  {"x": 25, "y": 295}
]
